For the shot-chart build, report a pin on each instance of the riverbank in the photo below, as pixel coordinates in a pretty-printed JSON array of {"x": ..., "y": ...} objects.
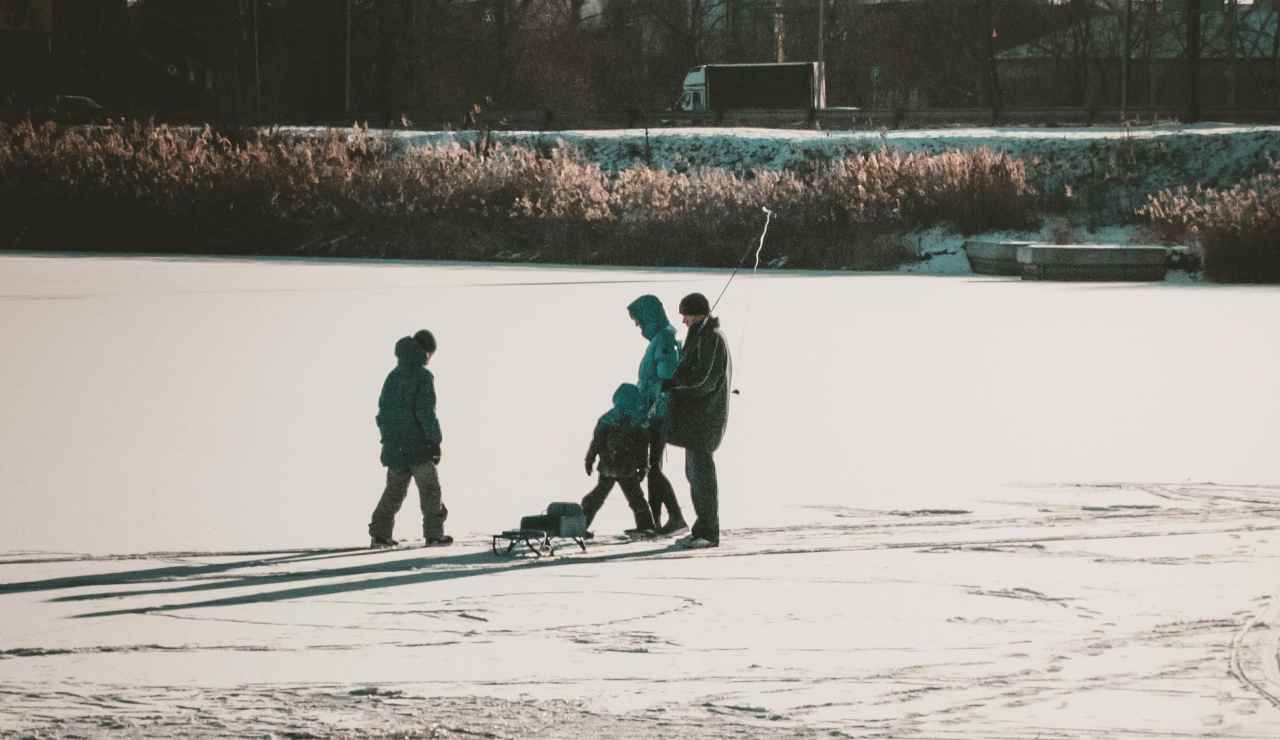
[{"x": 675, "y": 198}]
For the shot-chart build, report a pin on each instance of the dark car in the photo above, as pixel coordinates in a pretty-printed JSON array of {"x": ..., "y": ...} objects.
[{"x": 70, "y": 109}]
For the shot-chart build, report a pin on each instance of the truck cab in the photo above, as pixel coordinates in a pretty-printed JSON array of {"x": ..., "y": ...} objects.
[{"x": 693, "y": 97}]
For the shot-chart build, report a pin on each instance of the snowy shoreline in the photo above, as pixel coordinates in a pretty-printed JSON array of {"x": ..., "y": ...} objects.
[{"x": 1088, "y": 183}]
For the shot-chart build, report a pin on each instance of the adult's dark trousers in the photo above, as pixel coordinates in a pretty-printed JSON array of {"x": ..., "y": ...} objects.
[
  {"x": 700, "y": 469},
  {"x": 592, "y": 502},
  {"x": 428, "y": 480},
  {"x": 661, "y": 492}
]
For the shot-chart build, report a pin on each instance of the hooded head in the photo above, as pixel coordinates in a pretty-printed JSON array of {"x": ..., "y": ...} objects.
[
  {"x": 410, "y": 353},
  {"x": 426, "y": 339},
  {"x": 628, "y": 404},
  {"x": 647, "y": 310}
]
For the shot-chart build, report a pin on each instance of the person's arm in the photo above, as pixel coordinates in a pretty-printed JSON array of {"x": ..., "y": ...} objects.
[
  {"x": 667, "y": 357},
  {"x": 425, "y": 413},
  {"x": 644, "y": 440},
  {"x": 597, "y": 442},
  {"x": 665, "y": 354},
  {"x": 381, "y": 419},
  {"x": 706, "y": 369}
]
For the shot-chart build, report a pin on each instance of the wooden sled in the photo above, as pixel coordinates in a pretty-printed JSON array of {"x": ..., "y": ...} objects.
[{"x": 563, "y": 521}]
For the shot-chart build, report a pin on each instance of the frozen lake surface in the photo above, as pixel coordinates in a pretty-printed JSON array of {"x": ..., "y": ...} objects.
[{"x": 953, "y": 506}]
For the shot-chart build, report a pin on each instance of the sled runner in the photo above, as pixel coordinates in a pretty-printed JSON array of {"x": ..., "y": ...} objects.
[{"x": 564, "y": 521}]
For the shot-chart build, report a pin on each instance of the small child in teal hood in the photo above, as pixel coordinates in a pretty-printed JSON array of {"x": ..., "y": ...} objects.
[{"x": 621, "y": 443}]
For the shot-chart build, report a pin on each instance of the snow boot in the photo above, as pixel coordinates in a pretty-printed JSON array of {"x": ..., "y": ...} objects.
[
  {"x": 440, "y": 541},
  {"x": 378, "y": 543},
  {"x": 695, "y": 543},
  {"x": 674, "y": 526}
]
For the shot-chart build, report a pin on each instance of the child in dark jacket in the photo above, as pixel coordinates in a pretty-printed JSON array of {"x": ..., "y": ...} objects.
[{"x": 621, "y": 441}]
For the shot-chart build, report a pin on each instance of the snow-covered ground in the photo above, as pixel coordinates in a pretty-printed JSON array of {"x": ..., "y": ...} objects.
[{"x": 954, "y": 507}]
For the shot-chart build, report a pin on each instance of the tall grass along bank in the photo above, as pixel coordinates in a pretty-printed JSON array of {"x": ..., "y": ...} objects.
[
  {"x": 137, "y": 187},
  {"x": 1237, "y": 229}
]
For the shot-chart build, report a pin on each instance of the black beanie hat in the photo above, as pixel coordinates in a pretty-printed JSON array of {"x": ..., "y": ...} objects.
[
  {"x": 694, "y": 304},
  {"x": 426, "y": 339}
]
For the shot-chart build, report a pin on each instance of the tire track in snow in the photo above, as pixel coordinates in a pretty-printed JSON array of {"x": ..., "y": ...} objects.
[{"x": 1255, "y": 653}]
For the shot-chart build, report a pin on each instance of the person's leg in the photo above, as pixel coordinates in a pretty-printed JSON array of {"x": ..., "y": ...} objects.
[
  {"x": 428, "y": 480},
  {"x": 635, "y": 499},
  {"x": 661, "y": 492},
  {"x": 657, "y": 496},
  {"x": 700, "y": 468},
  {"x": 592, "y": 502},
  {"x": 384, "y": 516}
]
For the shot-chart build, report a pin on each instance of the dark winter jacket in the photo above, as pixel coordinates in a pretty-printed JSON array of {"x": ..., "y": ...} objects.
[
  {"x": 407, "y": 409},
  {"x": 700, "y": 389},
  {"x": 661, "y": 357},
  {"x": 620, "y": 438}
]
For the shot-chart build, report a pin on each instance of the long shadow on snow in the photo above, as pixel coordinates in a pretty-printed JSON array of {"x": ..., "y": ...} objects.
[
  {"x": 266, "y": 580},
  {"x": 392, "y": 582},
  {"x": 170, "y": 573}
]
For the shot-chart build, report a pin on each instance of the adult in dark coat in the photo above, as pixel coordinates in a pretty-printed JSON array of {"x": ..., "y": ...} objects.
[
  {"x": 411, "y": 440},
  {"x": 699, "y": 412}
]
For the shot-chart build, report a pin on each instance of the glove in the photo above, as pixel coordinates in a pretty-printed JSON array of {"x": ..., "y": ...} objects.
[
  {"x": 435, "y": 454},
  {"x": 668, "y": 384},
  {"x": 590, "y": 464}
]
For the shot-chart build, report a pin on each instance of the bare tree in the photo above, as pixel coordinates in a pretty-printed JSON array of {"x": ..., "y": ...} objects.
[
  {"x": 1193, "y": 61},
  {"x": 1231, "y": 41},
  {"x": 692, "y": 28},
  {"x": 1275, "y": 57},
  {"x": 990, "y": 77},
  {"x": 1125, "y": 51}
]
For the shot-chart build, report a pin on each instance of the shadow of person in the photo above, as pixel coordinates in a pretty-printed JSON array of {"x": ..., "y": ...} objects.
[
  {"x": 420, "y": 571},
  {"x": 168, "y": 573}
]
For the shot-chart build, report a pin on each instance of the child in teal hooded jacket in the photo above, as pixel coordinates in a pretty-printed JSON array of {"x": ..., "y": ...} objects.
[
  {"x": 659, "y": 363},
  {"x": 620, "y": 441}
]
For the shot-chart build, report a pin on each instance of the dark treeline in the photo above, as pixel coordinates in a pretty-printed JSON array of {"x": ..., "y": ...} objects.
[{"x": 433, "y": 62}]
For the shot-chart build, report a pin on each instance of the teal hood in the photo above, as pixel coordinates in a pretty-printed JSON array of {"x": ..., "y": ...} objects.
[
  {"x": 409, "y": 353},
  {"x": 628, "y": 405},
  {"x": 648, "y": 310}
]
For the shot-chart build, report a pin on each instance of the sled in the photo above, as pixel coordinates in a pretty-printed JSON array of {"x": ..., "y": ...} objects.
[{"x": 562, "y": 521}]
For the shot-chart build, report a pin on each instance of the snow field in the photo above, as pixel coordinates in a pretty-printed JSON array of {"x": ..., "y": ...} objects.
[{"x": 953, "y": 507}]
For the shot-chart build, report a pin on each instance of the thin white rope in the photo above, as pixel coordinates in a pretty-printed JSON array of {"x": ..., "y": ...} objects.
[
  {"x": 767, "y": 218},
  {"x": 746, "y": 314}
]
